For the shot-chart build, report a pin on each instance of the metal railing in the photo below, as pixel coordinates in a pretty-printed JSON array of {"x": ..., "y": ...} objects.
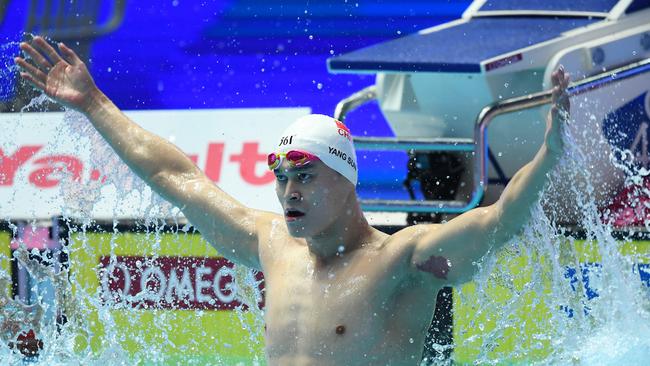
[
  {"x": 355, "y": 100},
  {"x": 478, "y": 145},
  {"x": 73, "y": 19}
]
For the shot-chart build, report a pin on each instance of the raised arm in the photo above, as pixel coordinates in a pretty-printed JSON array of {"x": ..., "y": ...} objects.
[
  {"x": 228, "y": 225},
  {"x": 448, "y": 251}
]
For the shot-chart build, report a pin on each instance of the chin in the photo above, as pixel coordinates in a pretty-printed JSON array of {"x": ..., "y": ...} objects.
[
  {"x": 296, "y": 231},
  {"x": 300, "y": 231}
]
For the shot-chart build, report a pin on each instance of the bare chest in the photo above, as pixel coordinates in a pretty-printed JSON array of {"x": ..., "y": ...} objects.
[{"x": 348, "y": 308}]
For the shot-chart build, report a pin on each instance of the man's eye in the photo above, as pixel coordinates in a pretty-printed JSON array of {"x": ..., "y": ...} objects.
[
  {"x": 304, "y": 176},
  {"x": 280, "y": 177}
]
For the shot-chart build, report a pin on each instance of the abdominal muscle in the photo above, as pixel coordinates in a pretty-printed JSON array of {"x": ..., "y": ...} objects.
[{"x": 351, "y": 312}]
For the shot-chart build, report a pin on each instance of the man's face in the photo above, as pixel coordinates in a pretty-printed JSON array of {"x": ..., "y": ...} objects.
[{"x": 312, "y": 197}]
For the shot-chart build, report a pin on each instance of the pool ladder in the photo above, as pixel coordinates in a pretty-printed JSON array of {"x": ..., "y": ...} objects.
[{"x": 478, "y": 145}]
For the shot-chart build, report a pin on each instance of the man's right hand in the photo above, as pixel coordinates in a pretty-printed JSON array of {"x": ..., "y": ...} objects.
[
  {"x": 232, "y": 228},
  {"x": 63, "y": 77}
]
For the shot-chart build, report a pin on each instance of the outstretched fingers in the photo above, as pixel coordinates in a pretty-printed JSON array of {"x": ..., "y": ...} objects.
[
  {"x": 555, "y": 78},
  {"x": 36, "y": 56},
  {"x": 45, "y": 48},
  {"x": 560, "y": 80},
  {"x": 36, "y": 83},
  {"x": 36, "y": 73},
  {"x": 70, "y": 55},
  {"x": 566, "y": 81}
]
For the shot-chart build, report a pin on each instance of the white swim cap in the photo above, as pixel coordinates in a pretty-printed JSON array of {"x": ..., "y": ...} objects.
[{"x": 326, "y": 138}]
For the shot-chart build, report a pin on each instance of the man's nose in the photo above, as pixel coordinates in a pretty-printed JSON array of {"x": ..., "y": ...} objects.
[
  {"x": 291, "y": 193},
  {"x": 294, "y": 196}
]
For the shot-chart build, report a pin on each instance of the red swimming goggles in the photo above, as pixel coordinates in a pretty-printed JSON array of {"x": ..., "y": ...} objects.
[{"x": 296, "y": 158}]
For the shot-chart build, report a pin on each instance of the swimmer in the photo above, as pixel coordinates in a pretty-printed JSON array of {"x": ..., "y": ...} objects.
[{"x": 338, "y": 291}]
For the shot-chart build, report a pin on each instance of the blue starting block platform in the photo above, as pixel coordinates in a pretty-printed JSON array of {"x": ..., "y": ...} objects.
[
  {"x": 459, "y": 48},
  {"x": 490, "y": 34},
  {"x": 601, "y": 6}
]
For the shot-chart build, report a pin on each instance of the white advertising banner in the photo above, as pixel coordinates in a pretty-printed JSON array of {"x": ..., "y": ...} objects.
[{"x": 56, "y": 163}]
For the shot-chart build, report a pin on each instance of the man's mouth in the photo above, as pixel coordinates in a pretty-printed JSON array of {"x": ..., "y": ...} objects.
[{"x": 292, "y": 214}]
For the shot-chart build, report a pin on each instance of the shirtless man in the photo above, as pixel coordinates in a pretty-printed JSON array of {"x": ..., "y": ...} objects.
[{"x": 338, "y": 292}]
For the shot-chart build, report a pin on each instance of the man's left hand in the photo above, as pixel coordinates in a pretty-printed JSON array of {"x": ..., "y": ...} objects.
[{"x": 559, "y": 113}]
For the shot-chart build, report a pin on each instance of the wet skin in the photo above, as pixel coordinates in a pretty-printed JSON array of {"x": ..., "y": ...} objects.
[
  {"x": 382, "y": 314},
  {"x": 364, "y": 305},
  {"x": 339, "y": 292}
]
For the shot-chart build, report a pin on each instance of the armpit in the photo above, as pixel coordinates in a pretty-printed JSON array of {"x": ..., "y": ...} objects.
[{"x": 439, "y": 266}]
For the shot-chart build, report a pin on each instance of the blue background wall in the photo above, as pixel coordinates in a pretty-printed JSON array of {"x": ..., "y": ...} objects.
[{"x": 182, "y": 54}]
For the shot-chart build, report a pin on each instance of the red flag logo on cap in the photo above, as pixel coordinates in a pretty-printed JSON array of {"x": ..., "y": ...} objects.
[{"x": 343, "y": 130}]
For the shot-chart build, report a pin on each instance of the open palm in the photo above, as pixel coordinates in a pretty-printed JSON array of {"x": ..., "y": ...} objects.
[
  {"x": 559, "y": 113},
  {"x": 63, "y": 77}
]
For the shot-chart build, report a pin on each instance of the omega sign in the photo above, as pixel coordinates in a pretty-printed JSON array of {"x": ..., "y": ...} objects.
[{"x": 170, "y": 283}]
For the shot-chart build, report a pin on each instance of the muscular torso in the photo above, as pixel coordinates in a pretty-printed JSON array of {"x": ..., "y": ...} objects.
[{"x": 358, "y": 309}]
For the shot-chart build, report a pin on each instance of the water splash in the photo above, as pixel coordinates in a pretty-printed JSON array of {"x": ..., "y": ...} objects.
[
  {"x": 558, "y": 295},
  {"x": 545, "y": 314},
  {"x": 88, "y": 329},
  {"x": 8, "y": 70}
]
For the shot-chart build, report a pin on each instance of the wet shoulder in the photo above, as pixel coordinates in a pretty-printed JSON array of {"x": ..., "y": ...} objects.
[
  {"x": 399, "y": 247},
  {"x": 409, "y": 236},
  {"x": 275, "y": 242}
]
